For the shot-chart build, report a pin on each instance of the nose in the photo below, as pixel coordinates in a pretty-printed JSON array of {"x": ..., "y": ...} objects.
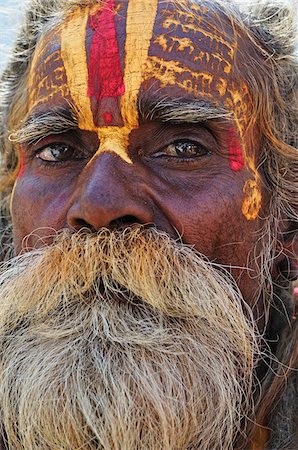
[{"x": 108, "y": 194}]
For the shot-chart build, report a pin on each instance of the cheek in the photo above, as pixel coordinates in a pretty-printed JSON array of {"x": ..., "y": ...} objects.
[
  {"x": 207, "y": 212},
  {"x": 36, "y": 206},
  {"x": 214, "y": 223}
]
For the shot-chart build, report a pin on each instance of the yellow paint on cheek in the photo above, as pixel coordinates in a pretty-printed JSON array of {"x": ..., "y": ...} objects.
[
  {"x": 138, "y": 36},
  {"x": 252, "y": 200},
  {"x": 73, "y": 53},
  {"x": 12, "y": 196},
  {"x": 16, "y": 173}
]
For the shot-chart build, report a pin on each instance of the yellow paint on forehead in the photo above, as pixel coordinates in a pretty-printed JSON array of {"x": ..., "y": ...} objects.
[
  {"x": 176, "y": 73},
  {"x": 74, "y": 57},
  {"x": 43, "y": 86},
  {"x": 141, "y": 15},
  {"x": 140, "y": 21},
  {"x": 37, "y": 55},
  {"x": 138, "y": 36},
  {"x": 115, "y": 140},
  {"x": 207, "y": 68},
  {"x": 170, "y": 73},
  {"x": 191, "y": 24}
]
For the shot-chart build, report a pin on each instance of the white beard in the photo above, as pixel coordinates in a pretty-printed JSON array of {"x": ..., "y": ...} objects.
[{"x": 126, "y": 340}]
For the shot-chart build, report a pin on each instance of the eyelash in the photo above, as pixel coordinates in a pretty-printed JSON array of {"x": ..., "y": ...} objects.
[
  {"x": 201, "y": 150},
  {"x": 51, "y": 164},
  {"x": 174, "y": 160}
]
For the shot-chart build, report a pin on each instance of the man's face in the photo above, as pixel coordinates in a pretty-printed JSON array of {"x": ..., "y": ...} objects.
[
  {"x": 159, "y": 137},
  {"x": 123, "y": 336}
]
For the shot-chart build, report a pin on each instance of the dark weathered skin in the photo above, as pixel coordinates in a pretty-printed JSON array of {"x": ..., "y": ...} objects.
[{"x": 199, "y": 198}]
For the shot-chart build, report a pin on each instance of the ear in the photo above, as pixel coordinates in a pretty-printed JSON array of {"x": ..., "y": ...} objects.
[{"x": 286, "y": 262}]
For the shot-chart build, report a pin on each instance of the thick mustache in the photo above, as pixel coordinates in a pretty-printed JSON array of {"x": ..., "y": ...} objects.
[{"x": 138, "y": 263}]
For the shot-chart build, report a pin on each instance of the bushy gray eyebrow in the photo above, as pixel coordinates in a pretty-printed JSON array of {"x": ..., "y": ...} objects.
[
  {"x": 39, "y": 126},
  {"x": 176, "y": 111},
  {"x": 181, "y": 110}
]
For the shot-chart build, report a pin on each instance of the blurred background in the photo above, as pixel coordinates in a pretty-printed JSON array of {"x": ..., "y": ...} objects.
[
  {"x": 10, "y": 16},
  {"x": 11, "y": 12}
]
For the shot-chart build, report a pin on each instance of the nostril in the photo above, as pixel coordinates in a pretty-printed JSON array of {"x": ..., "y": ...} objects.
[
  {"x": 123, "y": 222},
  {"x": 79, "y": 224}
]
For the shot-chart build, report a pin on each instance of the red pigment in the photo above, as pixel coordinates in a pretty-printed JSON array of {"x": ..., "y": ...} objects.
[
  {"x": 108, "y": 118},
  {"x": 235, "y": 151},
  {"x": 22, "y": 165},
  {"x": 105, "y": 77}
]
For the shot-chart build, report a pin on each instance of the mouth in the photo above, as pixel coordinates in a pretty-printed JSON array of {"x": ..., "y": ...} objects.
[{"x": 114, "y": 294}]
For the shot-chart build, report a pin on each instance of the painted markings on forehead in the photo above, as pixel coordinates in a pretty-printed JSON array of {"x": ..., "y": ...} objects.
[
  {"x": 212, "y": 60},
  {"x": 47, "y": 77},
  {"x": 75, "y": 60},
  {"x": 113, "y": 140},
  {"x": 191, "y": 52},
  {"x": 138, "y": 38},
  {"x": 73, "y": 53},
  {"x": 196, "y": 25},
  {"x": 104, "y": 69},
  {"x": 174, "y": 73}
]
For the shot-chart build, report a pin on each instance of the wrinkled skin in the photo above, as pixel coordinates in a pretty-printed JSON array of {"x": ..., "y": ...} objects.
[{"x": 79, "y": 178}]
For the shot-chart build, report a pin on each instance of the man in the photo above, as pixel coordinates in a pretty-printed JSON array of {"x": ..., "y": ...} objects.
[{"x": 149, "y": 188}]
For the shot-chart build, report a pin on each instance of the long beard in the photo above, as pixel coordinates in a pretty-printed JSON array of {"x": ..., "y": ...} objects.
[{"x": 123, "y": 340}]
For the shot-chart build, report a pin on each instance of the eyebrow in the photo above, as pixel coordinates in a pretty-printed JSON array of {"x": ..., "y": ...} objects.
[
  {"x": 181, "y": 110},
  {"x": 173, "y": 111},
  {"x": 40, "y": 125}
]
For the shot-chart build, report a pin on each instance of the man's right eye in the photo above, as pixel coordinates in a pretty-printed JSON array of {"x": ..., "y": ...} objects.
[{"x": 59, "y": 152}]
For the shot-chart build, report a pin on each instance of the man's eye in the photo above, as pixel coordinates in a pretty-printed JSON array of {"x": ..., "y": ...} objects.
[
  {"x": 183, "y": 149},
  {"x": 59, "y": 152}
]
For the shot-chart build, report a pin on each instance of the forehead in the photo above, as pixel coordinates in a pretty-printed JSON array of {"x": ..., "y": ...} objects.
[{"x": 103, "y": 55}]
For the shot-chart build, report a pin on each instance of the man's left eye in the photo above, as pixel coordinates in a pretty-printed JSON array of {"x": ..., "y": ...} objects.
[
  {"x": 183, "y": 149},
  {"x": 59, "y": 152}
]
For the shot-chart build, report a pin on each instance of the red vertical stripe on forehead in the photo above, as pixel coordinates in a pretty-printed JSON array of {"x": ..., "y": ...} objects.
[
  {"x": 235, "y": 151},
  {"x": 105, "y": 77}
]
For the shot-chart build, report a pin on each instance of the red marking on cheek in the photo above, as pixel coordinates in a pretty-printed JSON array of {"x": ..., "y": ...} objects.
[
  {"x": 108, "y": 118},
  {"x": 22, "y": 165},
  {"x": 235, "y": 151},
  {"x": 105, "y": 77}
]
